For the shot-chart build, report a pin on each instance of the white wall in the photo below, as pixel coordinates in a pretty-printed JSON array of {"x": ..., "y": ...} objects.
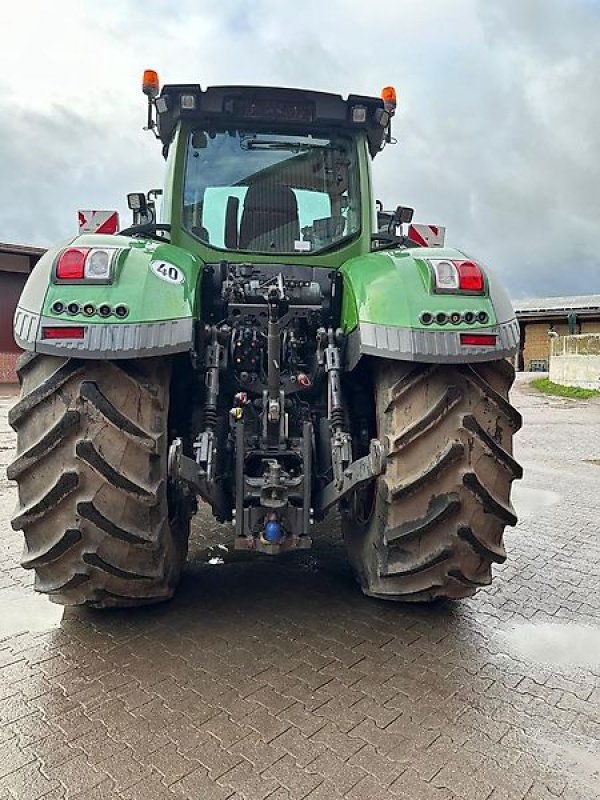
[{"x": 575, "y": 361}]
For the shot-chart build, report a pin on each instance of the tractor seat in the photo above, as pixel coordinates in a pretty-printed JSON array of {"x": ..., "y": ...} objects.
[{"x": 270, "y": 219}]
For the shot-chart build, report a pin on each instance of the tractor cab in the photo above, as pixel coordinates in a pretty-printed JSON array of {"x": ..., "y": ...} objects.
[{"x": 271, "y": 171}]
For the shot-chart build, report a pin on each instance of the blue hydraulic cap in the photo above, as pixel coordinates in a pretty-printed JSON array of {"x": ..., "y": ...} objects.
[{"x": 273, "y": 532}]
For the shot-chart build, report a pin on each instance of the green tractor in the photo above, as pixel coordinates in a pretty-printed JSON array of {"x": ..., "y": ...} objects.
[{"x": 273, "y": 346}]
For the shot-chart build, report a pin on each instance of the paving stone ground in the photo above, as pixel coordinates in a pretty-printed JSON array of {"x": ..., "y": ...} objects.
[{"x": 277, "y": 679}]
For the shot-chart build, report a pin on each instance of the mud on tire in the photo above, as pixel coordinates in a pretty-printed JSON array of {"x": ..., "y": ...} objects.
[
  {"x": 439, "y": 512},
  {"x": 101, "y": 527}
]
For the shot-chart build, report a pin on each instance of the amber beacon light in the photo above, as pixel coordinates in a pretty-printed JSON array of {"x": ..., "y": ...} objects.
[
  {"x": 388, "y": 95},
  {"x": 150, "y": 83}
]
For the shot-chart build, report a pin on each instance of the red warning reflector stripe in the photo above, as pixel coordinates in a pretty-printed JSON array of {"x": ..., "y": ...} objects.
[
  {"x": 64, "y": 332},
  {"x": 485, "y": 339}
]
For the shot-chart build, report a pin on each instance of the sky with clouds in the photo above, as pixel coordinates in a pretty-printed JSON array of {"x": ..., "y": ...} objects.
[{"x": 498, "y": 125}]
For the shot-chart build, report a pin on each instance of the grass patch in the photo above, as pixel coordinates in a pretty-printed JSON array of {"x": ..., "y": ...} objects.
[{"x": 547, "y": 387}]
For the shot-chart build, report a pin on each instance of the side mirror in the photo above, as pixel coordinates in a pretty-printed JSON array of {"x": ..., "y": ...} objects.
[
  {"x": 137, "y": 202},
  {"x": 391, "y": 222},
  {"x": 143, "y": 207},
  {"x": 403, "y": 215}
]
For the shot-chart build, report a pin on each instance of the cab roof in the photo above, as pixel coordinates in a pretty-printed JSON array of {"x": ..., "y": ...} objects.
[{"x": 262, "y": 107}]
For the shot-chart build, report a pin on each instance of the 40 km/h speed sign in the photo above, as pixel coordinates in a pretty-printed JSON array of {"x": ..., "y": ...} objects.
[{"x": 167, "y": 272}]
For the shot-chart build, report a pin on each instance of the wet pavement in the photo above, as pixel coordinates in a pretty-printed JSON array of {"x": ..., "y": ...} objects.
[{"x": 276, "y": 679}]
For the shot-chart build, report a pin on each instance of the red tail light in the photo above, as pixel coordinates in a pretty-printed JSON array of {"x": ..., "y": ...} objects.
[
  {"x": 71, "y": 264},
  {"x": 64, "y": 332},
  {"x": 481, "y": 339},
  {"x": 470, "y": 276}
]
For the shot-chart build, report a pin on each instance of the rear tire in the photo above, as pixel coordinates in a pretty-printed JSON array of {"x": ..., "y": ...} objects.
[
  {"x": 101, "y": 526},
  {"x": 439, "y": 511}
]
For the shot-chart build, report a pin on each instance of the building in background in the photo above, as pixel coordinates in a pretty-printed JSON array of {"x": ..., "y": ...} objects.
[
  {"x": 16, "y": 262},
  {"x": 541, "y": 319}
]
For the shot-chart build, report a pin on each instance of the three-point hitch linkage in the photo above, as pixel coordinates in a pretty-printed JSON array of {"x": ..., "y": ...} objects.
[{"x": 270, "y": 448}]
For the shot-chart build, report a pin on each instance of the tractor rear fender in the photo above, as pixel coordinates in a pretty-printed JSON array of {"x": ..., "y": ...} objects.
[
  {"x": 154, "y": 286},
  {"x": 386, "y": 294}
]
